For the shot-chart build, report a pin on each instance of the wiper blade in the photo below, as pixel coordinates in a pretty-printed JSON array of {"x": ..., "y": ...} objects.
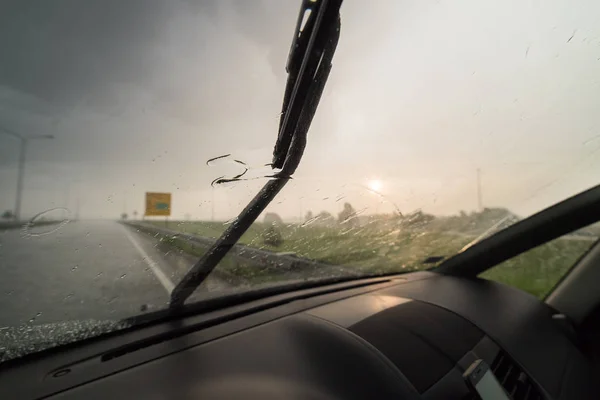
[
  {"x": 302, "y": 66},
  {"x": 308, "y": 67}
]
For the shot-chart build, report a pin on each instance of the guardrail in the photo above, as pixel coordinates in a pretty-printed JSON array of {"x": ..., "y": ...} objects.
[
  {"x": 25, "y": 224},
  {"x": 11, "y": 225},
  {"x": 279, "y": 261}
]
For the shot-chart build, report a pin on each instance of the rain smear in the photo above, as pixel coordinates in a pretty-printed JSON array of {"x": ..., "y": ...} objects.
[
  {"x": 227, "y": 159},
  {"x": 353, "y": 216},
  {"x": 46, "y": 222},
  {"x": 311, "y": 221}
]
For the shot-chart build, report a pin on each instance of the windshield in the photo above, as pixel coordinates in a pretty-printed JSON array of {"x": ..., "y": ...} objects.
[{"x": 131, "y": 136}]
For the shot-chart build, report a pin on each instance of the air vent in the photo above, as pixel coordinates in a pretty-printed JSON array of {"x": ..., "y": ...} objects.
[{"x": 514, "y": 380}]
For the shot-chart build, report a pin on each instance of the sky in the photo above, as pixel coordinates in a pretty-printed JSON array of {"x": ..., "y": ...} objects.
[{"x": 422, "y": 94}]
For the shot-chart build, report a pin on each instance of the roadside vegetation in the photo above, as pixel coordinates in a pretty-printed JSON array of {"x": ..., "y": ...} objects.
[{"x": 387, "y": 243}]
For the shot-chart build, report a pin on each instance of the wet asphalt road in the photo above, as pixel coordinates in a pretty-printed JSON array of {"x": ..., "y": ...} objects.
[{"x": 98, "y": 270}]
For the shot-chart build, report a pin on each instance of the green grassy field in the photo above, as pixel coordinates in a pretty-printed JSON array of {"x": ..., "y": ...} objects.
[
  {"x": 374, "y": 250},
  {"x": 539, "y": 270}
]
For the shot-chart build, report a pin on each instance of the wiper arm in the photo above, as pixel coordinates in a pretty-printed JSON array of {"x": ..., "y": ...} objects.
[{"x": 308, "y": 67}]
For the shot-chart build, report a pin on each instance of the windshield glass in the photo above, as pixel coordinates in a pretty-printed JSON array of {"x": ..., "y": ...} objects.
[{"x": 122, "y": 125}]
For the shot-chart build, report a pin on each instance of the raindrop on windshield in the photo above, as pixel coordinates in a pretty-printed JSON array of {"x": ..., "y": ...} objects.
[
  {"x": 352, "y": 216},
  {"x": 32, "y": 319},
  {"x": 230, "y": 221},
  {"x": 310, "y": 221}
]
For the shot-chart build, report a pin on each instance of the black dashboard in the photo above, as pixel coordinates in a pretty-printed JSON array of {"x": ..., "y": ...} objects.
[{"x": 405, "y": 337}]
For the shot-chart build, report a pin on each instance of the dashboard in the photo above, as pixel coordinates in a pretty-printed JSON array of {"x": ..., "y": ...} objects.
[{"x": 405, "y": 337}]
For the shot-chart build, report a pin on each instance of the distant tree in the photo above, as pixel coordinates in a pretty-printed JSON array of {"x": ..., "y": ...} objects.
[
  {"x": 418, "y": 219},
  {"x": 325, "y": 218},
  {"x": 273, "y": 219},
  {"x": 325, "y": 215},
  {"x": 8, "y": 215},
  {"x": 124, "y": 216},
  {"x": 135, "y": 214},
  {"x": 463, "y": 214},
  {"x": 345, "y": 216},
  {"x": 272, "y": 236},
  {"x": 309, "y": 216}
]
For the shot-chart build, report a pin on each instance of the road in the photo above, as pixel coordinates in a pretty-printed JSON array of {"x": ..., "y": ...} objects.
[{"x": 99, "y": 270}]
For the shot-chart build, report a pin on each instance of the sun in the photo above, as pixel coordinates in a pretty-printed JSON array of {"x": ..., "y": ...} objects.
[{"x": 375, "y": 185}]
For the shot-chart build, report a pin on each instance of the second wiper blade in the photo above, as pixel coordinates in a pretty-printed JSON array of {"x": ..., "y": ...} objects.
[{"x": 309, "y": 64}]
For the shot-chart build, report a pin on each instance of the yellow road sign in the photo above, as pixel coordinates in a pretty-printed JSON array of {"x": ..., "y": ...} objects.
[{"x": 158, "y": 204}]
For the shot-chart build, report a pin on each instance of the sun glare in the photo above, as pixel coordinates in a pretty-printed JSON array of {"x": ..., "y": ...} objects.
[{"x": 375, "y": 185}]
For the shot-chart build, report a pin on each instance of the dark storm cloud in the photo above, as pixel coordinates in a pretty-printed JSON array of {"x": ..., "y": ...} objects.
[
  {"x": 63, "y": 51},
  {"x": 144, "y": 92},
  {"x": 268, "y": 23},
  {"x": 254, "y": 17},
  {"x": 80, "y": 69},
  {"x": 58, "y": 50}
]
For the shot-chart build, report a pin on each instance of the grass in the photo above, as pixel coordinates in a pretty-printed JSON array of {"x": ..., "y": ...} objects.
[
  {"x": 369, "y": 249},
  {"x": 373, "y": 249},
  {"x": 539, "y": 270},
  {"x": 230, "y": 268}
]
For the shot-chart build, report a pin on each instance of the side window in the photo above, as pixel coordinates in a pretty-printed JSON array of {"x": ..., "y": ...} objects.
[{"x": 538, "y": 270}]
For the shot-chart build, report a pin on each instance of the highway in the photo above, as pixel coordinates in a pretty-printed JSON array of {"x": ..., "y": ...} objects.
[{"x": 99, "y": 270}]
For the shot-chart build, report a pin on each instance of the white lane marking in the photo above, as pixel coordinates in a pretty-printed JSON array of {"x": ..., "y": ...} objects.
[{"x": 160, "y": 275}]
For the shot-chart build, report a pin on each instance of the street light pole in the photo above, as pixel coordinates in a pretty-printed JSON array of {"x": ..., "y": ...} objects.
[
  {"x": 479, "y": 196},
  {"x": 21, "y": 172},
  {"x": 20, "y": 177},
  {"x": 212, "y": 204}
]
